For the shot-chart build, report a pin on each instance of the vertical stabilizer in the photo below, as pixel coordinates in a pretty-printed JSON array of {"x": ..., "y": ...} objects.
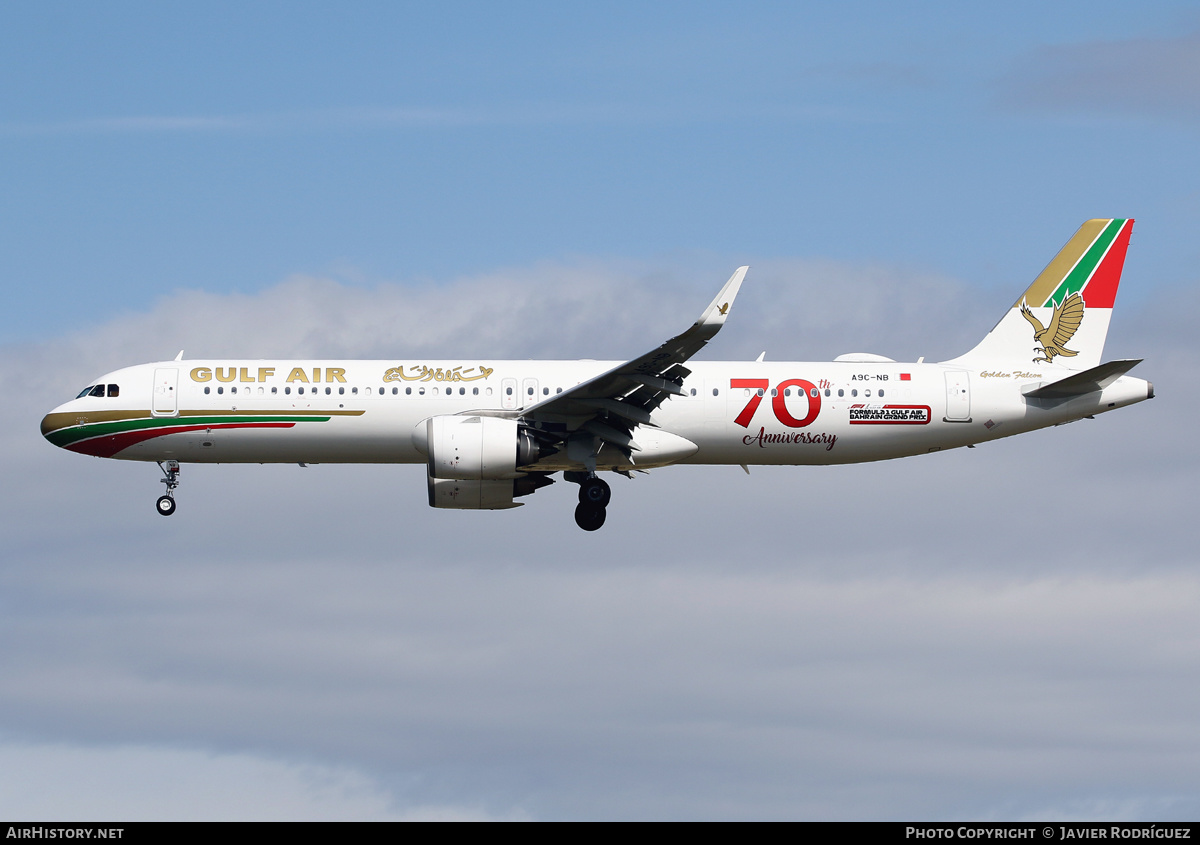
[{"x": 1062, "y": 318}]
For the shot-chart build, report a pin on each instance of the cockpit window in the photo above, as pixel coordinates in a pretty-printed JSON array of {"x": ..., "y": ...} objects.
[{"x": 98, "y": 390}]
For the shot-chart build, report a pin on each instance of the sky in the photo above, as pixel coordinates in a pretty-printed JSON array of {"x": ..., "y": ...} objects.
[{"x": 1004, "y": 633}]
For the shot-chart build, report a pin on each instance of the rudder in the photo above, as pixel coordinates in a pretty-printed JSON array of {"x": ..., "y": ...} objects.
[{"x": 1062, "y": 318}]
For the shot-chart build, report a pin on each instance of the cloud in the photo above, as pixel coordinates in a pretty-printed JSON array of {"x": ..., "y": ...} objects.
[
  {"x": 994, "y": 633},
  {"x": 650, "y": 689},
  {"x": 1147, "y": 77},
  {"x": 138, "y": 783},
  {"x": 574, "y": 309}
]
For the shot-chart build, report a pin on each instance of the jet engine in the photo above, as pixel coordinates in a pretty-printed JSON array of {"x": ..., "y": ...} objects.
[
  {"x": 473, "y": 460},
  {"x": 475, "y": 447}
]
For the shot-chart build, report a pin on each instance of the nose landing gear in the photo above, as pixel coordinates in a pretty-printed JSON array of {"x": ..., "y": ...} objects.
[
  {"x": 594, "y": 496},
  {"x": 166, "y": 503}
]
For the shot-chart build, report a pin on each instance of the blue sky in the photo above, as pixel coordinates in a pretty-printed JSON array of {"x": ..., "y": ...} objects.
[
  {"x": 915, "y": 639},
  {"x": 149, "y": 148}
]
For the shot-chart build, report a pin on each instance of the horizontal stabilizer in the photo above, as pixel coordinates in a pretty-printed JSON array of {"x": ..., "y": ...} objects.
[{"x": 1088, "y": 381}]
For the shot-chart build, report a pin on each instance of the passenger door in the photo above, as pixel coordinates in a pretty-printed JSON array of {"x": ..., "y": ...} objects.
[{"x": 164, "y": 401}]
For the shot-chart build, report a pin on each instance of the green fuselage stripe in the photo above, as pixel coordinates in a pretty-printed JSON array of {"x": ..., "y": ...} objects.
[{"x": 73, "y": 434}]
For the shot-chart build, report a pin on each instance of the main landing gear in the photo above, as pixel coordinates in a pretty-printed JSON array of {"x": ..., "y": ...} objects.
[
  {"x": 594, "y": 495},
  {"x": 166, "y": 503}
]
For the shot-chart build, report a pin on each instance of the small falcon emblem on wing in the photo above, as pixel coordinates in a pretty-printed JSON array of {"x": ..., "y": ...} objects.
[{"x": 1063, "y": 324}]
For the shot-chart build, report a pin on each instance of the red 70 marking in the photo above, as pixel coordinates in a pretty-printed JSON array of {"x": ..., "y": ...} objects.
[
  {"x": 778, "y": 405},
  {"x": 759, "y": 386}
]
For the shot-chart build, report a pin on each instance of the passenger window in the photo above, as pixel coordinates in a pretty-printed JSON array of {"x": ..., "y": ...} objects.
[
  {"x": 220, "y": 390},
  {"x": 693, "y": 391},
  {"x": 714, "y": 391},
  {"x": 341, "y": 391},
  {"x": 489, "y": 391},
  {"x": 300, "y": 390},
  {"x": 474, "y": 391},
  {"x": 841, "y": 393},
  {"x": 233, "y": 389},
  {"x": 508, "y": 391},
  {"x": 760, "y": 391},
  {"x": 287, "y": 391},
  {"x": 853, "y": 392},
  {"x": 354, "y": 391},
  {"x": 207, "y": 389},
  {"x": 881, "y": 394},
  {"x": 814, "y": 393},
  {"x": 558, "y": 390},
  {"x": 395, "y": 391},
  {"x": 866, "y": 393},
  {"x": 421, "y": 391},
  {"x": 408, "y": 391},
  {"x": 113, "y": 390},
  {"x": 462, "y": 391},
  {"x": 827, "y": 391},
  {"x": 381, "y": 391},
  {"x": 545, "y": 391},
  {"x": 274, "y": 390},
  {"x": 529, "y": 391}
]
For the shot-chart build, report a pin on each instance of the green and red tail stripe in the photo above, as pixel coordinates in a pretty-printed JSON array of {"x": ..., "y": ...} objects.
[{"x": 1090, "y": 264}]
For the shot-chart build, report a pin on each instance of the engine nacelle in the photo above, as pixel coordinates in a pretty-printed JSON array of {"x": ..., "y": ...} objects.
[
  {"x": 474, "y": 448},
  {"x": 482, "y": 495},
  {"x": 471, "y": 495}
]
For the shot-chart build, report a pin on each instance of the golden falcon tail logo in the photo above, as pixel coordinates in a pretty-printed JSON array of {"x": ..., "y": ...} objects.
[
  {"x": 1063, "y": 325},
  {"x": 723, "y": 308}
]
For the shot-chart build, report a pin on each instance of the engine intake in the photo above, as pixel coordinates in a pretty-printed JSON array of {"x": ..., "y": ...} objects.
[{"x": 475, "y": 448}]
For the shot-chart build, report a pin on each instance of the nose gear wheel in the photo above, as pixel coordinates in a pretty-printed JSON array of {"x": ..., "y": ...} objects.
[{"x": 166, "y": 503}]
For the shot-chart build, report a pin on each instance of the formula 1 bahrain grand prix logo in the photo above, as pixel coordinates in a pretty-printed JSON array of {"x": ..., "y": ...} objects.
[{"x": 890, "y": 414}]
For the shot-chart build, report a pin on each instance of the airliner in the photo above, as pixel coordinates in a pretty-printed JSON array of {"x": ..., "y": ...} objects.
[{"x": 490, "y": 432}]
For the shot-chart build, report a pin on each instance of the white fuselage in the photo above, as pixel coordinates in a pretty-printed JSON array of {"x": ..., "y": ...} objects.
[{"x": 266, "y": 411}]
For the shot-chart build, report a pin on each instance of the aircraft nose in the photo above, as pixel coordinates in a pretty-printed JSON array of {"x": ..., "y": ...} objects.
[{"x": 53, "y": 422}]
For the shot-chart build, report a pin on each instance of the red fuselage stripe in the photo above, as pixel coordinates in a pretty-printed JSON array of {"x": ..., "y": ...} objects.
[{"x": 110, "y": 444}]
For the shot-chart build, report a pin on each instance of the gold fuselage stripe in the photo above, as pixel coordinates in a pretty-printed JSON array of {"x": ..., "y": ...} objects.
[{"x": 65, "y": 419}]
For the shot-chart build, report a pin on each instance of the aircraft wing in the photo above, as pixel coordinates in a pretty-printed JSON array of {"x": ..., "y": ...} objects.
[{"x": 614, "y": 403}]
